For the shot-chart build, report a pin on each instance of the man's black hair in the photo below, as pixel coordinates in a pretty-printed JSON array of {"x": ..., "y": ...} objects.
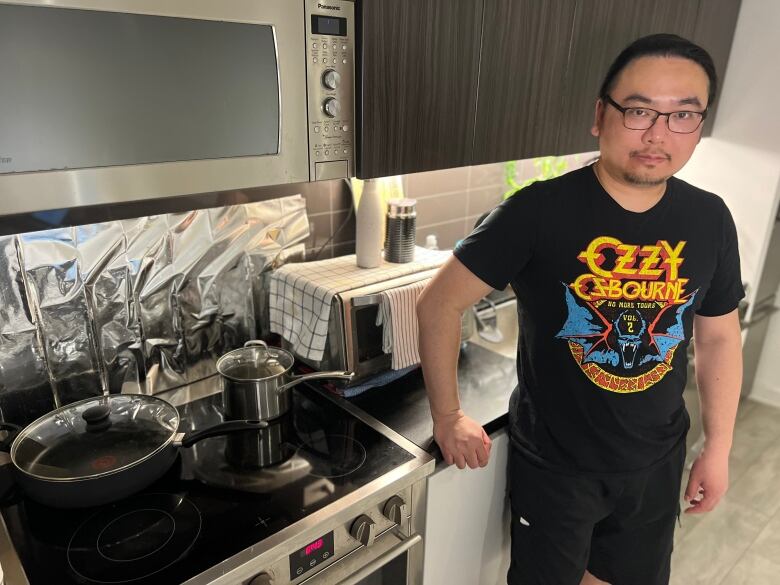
[{"x": 662, "y": 45}]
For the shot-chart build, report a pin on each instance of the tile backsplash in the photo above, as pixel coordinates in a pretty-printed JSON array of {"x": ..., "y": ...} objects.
[{"x": 450, "y": 201}]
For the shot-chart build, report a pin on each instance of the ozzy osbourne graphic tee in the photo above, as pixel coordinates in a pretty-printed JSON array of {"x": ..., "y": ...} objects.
[{"x": 606, "y": 299}]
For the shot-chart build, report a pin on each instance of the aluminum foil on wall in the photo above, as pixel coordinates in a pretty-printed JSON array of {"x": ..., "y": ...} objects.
[
  {"x": 25, "y": 389},
  {"x": 53, "y": 271},
  {"x": 141, "y": 305},
  {"x": 106, "y": 272}
]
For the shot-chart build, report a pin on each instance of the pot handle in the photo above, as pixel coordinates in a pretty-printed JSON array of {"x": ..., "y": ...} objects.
[
  {"x": 297, "y": 379},
  {"x": 225, "y": 428}
]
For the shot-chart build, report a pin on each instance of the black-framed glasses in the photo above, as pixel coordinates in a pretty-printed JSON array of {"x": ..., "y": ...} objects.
[{"x": 640, "y": 118}]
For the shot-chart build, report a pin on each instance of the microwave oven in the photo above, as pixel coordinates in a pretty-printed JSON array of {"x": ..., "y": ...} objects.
[
  {"x": 106, "y": 101},
  {"x": 354, "y": 339}
]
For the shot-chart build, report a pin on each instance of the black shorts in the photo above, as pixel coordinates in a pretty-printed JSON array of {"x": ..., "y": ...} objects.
[{"x": 620, "y": 529}]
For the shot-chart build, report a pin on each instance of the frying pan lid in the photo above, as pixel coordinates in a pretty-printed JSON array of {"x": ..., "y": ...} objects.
[{"x": 95, "y": 437}]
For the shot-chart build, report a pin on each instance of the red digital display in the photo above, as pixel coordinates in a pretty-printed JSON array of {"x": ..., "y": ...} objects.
[
  {"x": 314, "y": 546},
  {"x": 313, "y": 554}
]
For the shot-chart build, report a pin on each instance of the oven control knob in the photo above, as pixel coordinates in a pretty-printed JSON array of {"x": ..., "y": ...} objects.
[
  {"x": 363, "y": 530},
  {"x": 331, "y": 79},
  {"x": 261, "y": 579},
  {"x": 395, "y": 510},
  {"x": 331, "y": 107}
]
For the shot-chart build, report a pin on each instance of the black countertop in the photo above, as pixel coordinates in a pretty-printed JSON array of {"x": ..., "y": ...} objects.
[{"x": 485, "y": 381}]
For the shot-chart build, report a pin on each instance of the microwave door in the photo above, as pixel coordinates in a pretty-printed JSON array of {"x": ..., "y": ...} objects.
[{"x": 108, "y": 104}]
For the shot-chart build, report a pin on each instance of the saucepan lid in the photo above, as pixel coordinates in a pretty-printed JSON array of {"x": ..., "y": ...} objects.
[{"x": 255, "y": 362}]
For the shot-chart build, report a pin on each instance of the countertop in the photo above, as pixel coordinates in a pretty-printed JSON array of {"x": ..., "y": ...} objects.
[
  {"x": 485, "y": 381},
  {"x": 486, "y": 377}
]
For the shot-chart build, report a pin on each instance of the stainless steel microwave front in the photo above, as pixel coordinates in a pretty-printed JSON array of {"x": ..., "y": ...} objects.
[{"x": 108, "y": 101}]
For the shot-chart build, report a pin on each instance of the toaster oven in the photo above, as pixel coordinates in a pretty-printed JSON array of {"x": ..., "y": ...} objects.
[{"x": 354, "y": 341}]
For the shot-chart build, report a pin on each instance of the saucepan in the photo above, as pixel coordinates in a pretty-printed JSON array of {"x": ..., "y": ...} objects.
[
  {"x": 256, "y": 381},
  {"x": 103, "y": 449}
]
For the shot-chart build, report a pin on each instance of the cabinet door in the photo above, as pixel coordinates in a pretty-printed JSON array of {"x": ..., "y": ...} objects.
[
  {"x": 603, "y": 28},
  {"x": 417, "y": 85},
  {"x": 715, "y": 31},
  {"x": 467, "y": 522},
  {"x": 525, "y": 45}
]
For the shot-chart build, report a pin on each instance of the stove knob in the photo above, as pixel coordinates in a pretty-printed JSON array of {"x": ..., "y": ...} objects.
[
  {"x": 395, "y": 510},
  {"x": 331, "y": 107},
  {"x": 363, "y": 530},
  {"x": 261, "y": 579}
]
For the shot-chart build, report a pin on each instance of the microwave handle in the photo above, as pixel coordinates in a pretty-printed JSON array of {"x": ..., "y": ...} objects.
[{"x": 381, "y": 561}]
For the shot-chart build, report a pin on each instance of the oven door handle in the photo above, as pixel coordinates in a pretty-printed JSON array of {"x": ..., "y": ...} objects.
[{"x": 381, "y": 561}]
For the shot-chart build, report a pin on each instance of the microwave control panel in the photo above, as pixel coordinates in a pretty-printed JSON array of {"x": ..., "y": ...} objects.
[{"x": 330, "y": 66}]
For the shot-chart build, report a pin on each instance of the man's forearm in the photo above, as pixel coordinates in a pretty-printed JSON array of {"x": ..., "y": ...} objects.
[
  {"x": 440, "y": 328},
  {"x": 719, "y": 378}
]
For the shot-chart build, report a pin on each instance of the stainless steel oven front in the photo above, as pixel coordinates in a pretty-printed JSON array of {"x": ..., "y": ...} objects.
[
  {"x": 107, "y": 101},
  {"x": 359, "y": 545}
]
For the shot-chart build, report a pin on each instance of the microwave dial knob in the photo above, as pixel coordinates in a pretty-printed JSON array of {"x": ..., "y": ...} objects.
[
  {"x": 331, "y": 107},
  {"x": 261, "y": 579},
  {"x": 395, "y": 510},
  {"x": 363, "y": 530},
  {"x": 331, "y": 79}
]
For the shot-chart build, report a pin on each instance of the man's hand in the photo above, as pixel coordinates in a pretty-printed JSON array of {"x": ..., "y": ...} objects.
[
  {"x": 461, "y": 440},
  {"x": 708, "y": 482}
]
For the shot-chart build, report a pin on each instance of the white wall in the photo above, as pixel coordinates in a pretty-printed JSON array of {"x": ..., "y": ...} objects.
[
  {"x": 741, "y": 162},
  {"x": 747, "y": 179},
  {"x": 747, "y": 113}
]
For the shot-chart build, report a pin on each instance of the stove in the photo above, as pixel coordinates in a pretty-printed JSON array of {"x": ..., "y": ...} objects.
[{"x": 346, "y": 492}]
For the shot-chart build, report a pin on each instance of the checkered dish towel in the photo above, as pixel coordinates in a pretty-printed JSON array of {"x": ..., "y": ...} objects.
[{"x": 301, "y": 294}]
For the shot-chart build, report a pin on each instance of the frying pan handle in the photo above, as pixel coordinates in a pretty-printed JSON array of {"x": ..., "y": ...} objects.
[{"x": 225, "y": 428}]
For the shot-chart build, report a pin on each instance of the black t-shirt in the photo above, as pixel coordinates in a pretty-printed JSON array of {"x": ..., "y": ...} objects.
[{"x": 606, "y": 299}]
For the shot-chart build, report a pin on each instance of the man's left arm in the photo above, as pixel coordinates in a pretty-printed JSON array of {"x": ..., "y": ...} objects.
[{"x": 718, "y": 361}]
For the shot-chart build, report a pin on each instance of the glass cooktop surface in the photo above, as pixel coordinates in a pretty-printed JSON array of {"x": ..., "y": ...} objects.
[{"x": 221, "y": 496}]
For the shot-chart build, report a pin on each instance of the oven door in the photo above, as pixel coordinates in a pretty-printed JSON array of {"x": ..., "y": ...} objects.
[
  {"x": 394, "y": 559},
  {"x": 119, "y": 100},
  {"x": 365, "y": 355}
]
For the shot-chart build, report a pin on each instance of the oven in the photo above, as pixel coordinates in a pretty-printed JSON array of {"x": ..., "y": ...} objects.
[{"x": 108, "y": 101}]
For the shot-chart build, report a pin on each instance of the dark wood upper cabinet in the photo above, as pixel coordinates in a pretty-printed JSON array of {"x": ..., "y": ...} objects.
[
  {"x": 603, "y": 28},
  {"x": 449, "y": 83},
  {"x": 525, "y": 47},
  {"x": 417, "y": 84},
  {"x": 715, "y": 26}
]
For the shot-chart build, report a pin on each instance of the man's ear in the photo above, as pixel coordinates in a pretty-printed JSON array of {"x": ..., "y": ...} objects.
[{"x": 598, "y": 116}]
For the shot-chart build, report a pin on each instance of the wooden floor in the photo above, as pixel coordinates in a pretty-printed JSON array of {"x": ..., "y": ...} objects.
[{"x": 739, "y": 542}]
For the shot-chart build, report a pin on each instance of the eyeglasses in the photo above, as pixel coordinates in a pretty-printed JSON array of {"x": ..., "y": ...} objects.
[{"x": 681, "y": 122}]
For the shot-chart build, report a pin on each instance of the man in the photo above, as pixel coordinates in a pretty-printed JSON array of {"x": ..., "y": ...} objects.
[{"x": 615, "y": 267}]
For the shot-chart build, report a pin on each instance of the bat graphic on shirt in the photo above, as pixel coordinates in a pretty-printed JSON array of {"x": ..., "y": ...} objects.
[{"x": 628, "y": 340}]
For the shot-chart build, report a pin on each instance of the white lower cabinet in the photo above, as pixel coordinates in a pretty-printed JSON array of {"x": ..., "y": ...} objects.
[{"x": 467, "y": 522}]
